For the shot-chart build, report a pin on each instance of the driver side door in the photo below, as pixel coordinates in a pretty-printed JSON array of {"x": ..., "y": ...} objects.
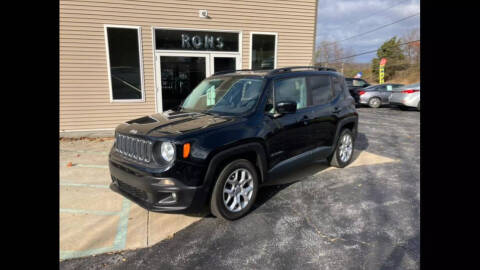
[{"x": 289, "y": 137}]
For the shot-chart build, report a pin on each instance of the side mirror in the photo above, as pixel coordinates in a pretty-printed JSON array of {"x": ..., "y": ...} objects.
[{"x": 284, "y": 107}]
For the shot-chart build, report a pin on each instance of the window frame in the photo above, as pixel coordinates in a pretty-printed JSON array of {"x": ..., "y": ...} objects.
[
  {"x": 140, "y": 57},
  {"x": 251, "y": 46}
]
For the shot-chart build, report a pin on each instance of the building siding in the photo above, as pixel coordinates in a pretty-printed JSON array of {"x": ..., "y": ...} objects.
[{"x": 84, "y": 84}]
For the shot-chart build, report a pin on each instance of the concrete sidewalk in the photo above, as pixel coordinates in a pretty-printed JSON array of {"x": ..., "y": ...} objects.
[{"x": 94, "y": 219}]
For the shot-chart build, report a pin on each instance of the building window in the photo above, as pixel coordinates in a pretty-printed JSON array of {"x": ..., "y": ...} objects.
[
  {"x": 125, "y": 64},
  {"x": 263, "y": 52}
]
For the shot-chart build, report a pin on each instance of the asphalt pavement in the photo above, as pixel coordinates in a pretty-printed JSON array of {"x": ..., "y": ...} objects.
[{"x": 364, "y": 216}]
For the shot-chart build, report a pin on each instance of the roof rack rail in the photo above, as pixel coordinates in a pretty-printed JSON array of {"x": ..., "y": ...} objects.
[
  {"x": 289, "y": 69},
  {"x": 237, "y": 70}
]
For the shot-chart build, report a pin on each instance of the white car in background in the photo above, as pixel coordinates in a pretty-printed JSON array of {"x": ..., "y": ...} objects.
[{"x": 406, "y": 96}]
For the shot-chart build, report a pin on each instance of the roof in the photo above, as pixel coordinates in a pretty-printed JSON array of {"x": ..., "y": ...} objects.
[{"x": 270, "y": 72}]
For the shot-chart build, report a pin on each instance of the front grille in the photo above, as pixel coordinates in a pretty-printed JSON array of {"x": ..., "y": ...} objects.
[
  {"x": 138, "y": 193},
  {"x": 134, "y": 148}
]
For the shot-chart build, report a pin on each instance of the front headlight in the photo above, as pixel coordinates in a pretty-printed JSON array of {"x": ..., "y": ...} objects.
[{"x": 167, "y": 150}]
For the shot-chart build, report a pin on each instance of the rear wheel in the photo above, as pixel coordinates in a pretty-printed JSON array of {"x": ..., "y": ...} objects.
[
  {"x": 235, "y": 190},
  {"x": 374, "y": 102},
  {"x": 343, "y": 153}
]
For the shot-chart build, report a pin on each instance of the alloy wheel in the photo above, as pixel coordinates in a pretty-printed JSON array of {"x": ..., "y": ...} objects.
[
  {"x": 346, "y": 147},
  {"x": 238, "y": 190}
]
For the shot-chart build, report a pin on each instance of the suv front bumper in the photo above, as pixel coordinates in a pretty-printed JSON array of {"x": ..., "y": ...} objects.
[{"x": 147, "y": 190}]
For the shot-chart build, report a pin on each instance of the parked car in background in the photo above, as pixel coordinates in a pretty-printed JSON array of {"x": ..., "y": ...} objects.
[
  {"x": 406, "y": 96},
  {"x": 353, "y": 85},
  {"x": 376, "y": 95}
]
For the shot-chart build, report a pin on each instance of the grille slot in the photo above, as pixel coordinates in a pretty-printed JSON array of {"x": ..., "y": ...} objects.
[
  {"x": 134, "y": 148},
  {"x": 132, "y": 190}
]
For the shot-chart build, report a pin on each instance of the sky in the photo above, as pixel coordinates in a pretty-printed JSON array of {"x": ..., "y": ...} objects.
[{"x": 341, "y": 19}]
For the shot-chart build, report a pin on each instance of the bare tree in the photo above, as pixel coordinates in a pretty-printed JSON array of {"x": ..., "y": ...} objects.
[
  {"x": 412, "y": 50},
  {"x": 331, "y": 54}
]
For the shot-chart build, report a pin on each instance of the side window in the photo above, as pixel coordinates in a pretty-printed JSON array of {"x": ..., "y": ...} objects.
[
  {"x": 358, "y": 83},
  {"x": 292, "y": 89},
  {"x": 389, "y": 87},
  {"x": 337, "y": 86},
  {"x": 320, "y": 89}
]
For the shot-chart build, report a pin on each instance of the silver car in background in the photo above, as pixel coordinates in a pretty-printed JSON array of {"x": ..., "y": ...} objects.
[
  {"x": 406, "y": 96},
  {"x": 376, "y": 95}
]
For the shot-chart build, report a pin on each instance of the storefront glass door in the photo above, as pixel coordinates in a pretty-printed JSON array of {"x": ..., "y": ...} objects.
[{"x": 177, "y": 74}]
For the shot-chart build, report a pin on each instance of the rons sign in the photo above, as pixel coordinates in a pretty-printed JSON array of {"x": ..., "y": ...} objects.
[{"x": 196, "y": 40}]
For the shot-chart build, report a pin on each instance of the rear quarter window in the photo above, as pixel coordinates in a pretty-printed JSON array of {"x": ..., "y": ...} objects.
[{"x": 337, "y": 85}]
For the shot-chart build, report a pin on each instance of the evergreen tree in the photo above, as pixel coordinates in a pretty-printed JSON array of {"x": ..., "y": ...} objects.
[{"x": 392, "y": 51}]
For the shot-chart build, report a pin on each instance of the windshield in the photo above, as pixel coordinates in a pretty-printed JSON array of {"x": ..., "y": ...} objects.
[{"x": 226, "y": 95}]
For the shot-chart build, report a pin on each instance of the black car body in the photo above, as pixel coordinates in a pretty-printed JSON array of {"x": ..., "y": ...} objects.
[
  {"x": 354, "y": 85},
  {"x": 273, "y": 140}
]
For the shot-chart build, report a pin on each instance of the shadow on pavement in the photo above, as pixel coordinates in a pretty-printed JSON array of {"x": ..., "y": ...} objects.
[
  {"x": 410, "y": 249},
  {"x": 303, "y": 172},
  {"x": 300, "y": 173}
]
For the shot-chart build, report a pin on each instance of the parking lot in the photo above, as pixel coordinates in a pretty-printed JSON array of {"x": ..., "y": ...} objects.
[{"x": 364, "y": 216}]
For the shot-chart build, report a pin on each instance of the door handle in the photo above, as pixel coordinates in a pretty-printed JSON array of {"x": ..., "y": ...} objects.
[{"x": 305, "y": 120}]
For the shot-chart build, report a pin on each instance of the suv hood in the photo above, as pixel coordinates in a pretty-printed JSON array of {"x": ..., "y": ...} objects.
[{"x": 171, "y": 123}]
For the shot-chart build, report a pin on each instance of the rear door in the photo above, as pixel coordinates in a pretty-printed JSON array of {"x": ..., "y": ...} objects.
[{"x": 322, "y": 127}]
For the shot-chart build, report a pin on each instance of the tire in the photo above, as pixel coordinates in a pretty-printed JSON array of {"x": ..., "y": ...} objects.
[
  {"x": 335, "y": 159},
  {"x": 418, "y": 106},
  {"x": 217, "y": 205},
  {"x": 374, "y": 102},
  {"x": 403, "y": 108}
]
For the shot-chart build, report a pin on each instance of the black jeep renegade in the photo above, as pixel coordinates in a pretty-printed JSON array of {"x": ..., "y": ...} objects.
[{"x": 235, "y": 132}]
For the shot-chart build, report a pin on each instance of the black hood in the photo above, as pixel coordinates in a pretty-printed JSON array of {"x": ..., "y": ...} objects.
[{"x": 171, "y": 123}]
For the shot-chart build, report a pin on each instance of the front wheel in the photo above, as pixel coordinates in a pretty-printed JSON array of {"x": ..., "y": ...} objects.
[
  {"x": 343, "y": 153},
  {"x": 235, "y": 190}
]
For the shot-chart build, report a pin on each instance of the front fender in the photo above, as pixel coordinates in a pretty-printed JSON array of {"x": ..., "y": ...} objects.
[{"x": 221, "y": 156}]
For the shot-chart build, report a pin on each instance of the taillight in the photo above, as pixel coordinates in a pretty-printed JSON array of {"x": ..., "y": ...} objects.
[
  {"x": 361, "y": 93},
  {"x": 409, "y": 91}
]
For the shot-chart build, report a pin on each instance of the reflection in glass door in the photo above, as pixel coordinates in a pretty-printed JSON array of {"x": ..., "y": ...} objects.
[
  {"x": 179, "y": 76},
  {"x": 224, "y": 64}
]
